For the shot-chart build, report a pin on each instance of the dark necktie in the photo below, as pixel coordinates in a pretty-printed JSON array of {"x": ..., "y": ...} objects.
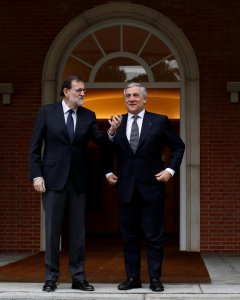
[
  {"x": 134, "y": 136},
  {"x": 70, "y": 125}
]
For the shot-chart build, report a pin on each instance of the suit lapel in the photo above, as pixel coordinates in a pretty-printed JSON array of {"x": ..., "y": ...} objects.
[
  {"x": 146, "y": 126},
  {"x": 77, "y": 122},
  {"x": 60, "y": 118},
  {"x": 121, "y": 132}
]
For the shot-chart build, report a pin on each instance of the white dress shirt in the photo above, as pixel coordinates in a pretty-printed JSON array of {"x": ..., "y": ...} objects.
[
  {"x": 130, "y": 121},
  {"x": 128, "y": 133},
  {"x": 65, "y": 111}
]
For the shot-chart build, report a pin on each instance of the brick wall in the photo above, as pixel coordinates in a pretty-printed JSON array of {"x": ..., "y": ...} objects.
[{"x": 212, "y": 27}]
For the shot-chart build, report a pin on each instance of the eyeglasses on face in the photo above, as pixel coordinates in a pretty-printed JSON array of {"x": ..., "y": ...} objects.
[{"x": 79, "y": 91}]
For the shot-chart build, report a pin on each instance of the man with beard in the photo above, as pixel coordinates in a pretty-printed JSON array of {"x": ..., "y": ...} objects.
[{"x": 59, "y": 172}]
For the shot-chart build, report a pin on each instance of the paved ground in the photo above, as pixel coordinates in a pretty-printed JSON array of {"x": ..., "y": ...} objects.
[{"x": 224, "y": 270}]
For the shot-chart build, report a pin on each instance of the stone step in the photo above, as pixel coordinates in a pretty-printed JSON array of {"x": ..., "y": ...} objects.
[
  {"x": 32, "y": 291},
  {"x": 67, "y": 296}
]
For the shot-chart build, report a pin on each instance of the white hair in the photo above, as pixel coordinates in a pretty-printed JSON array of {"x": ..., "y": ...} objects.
[{"x": 142, "y": 88}]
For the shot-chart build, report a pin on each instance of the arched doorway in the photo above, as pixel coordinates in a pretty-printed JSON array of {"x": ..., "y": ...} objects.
[
  {"x": 109, "y": 56},
  {"x": 142, "y": 17}
]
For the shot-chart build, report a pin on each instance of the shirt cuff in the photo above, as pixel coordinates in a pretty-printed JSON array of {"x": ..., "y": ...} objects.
[
  {"x": 36, "y": 178},
  {"x": 171, "y": 171},
  {"x": 108, "y": 174},
  {"x": 111, "y": 137}
]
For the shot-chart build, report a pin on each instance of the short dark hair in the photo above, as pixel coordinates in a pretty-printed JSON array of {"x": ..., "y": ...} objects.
[{"x": 67, "y": 83}]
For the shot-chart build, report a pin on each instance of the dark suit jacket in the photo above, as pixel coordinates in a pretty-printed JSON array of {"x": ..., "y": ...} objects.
[
  {"x": 140, "y": 168},
  {"x": 59, "y": 155}
]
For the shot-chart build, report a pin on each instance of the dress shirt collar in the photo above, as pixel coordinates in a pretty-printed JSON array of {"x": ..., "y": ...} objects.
[
  {"x": 141, "y": 115},
  {"x": 66, "y": 108}
]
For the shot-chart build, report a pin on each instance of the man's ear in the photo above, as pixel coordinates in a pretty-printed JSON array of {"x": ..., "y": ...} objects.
[{"x": 65, "y": 91}]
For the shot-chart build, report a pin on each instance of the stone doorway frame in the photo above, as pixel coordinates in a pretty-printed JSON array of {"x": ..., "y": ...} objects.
[{"x": 189, "y": 86}]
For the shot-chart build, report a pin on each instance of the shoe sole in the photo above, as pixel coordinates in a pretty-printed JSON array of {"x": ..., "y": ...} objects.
[
  {"x": 161, "y": 290},
  {"x": 135, "y": 287},
  {"x": 49, "y": 290},
  {"x": 86, "y": 290}
]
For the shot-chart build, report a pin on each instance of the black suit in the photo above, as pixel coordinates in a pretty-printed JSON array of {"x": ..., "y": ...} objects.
[
  {"x": 63, "y": 166},
  {"x": 141, "y": 195}
]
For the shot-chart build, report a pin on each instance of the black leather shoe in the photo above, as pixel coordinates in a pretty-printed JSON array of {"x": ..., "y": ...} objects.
[
  {"x": 130, "y": 283},
  {"x": 49, "y": 286},
  {"x": 82, "y": 285},
  {"x": 156, "y": 285}
]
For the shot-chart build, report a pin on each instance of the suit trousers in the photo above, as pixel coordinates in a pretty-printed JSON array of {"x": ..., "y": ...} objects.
[
  {"x": 55, "y": 204},
  {"x": 147, "y": 217}
]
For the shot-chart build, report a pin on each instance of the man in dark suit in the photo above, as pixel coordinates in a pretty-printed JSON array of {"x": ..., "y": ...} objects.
[
  {"x": 141, "y": 176},
  {"x": 60, "y": 174}
]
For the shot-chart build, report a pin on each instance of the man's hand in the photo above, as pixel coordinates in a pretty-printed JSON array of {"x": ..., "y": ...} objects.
[
  {"x": 39, "y": 185},
  {"x": 115, "y": 122},
  {"x": 163, "y": 176},
  {"x": 112, "y": 179}
]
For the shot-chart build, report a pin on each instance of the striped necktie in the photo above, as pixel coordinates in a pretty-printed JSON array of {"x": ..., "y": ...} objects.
[{"x": 134, "y": 136}]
